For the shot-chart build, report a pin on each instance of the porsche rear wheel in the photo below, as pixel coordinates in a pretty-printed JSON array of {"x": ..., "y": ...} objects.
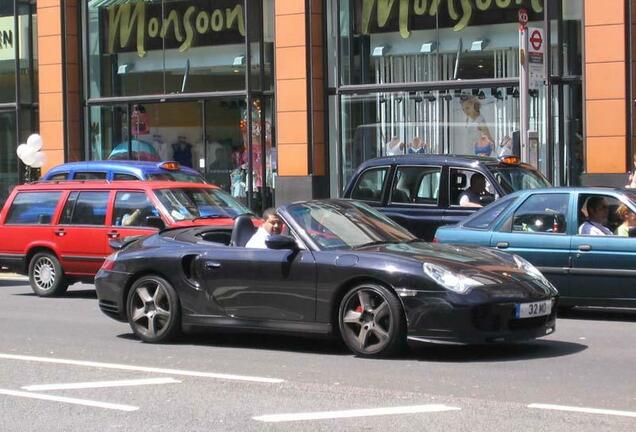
[
  {"x": 154, "y": 313},
  {"x": 371, "y": 321}
]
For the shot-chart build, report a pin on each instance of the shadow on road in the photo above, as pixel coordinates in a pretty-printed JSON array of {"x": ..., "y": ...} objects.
[
  {"x": 420, "y": 351},
  {"x": 599, "y": 314},
  {"x": 13, "y": 282},
  {"x": 90, "y": 294}
]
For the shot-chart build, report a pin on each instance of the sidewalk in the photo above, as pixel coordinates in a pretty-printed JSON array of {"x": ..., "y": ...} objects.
[{"x": 12, "y": 276}]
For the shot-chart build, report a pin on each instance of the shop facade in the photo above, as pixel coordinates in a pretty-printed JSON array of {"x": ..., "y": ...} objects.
[
  {"x": 277, "y": 100},
  {"x": 18, "y": 86}
]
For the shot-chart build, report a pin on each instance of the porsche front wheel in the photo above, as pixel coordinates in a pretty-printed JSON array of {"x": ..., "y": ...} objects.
[
  {"x": 372, "y": 322},
  {"x": 153, "y": 310}
]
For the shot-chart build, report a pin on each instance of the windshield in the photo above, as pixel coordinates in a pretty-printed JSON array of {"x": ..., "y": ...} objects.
[
  {"x": 346, "y": 225},
  {"x": 192, "y": 203},
  {"x": 177, "y": 176},
  {"x": 513, "y": 179}
]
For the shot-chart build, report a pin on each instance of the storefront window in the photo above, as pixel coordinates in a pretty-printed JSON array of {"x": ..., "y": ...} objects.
[
  {"x": 7, "y": 52},
  {"x": 165, "y": 46},
  {"x": 8, "y": 158},
  {"x": 404, "y": 41}
]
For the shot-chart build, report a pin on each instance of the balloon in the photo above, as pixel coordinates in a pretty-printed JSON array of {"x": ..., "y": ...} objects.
[
  {"x": 28, "y": 158},
  {"x": 39, "y": 160},
  {"x": 22, "y": 150},
  {"x": 35, "y": 142}
]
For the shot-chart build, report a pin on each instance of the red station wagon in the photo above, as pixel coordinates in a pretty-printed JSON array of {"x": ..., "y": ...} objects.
[{"x": 59, "y": 232}]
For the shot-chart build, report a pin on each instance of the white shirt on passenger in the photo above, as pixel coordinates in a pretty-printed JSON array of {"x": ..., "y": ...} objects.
[
  {"x": 467, "y": 197},
  {"x": 258, "y": 239},
  {"x": 594, "y": 229}
]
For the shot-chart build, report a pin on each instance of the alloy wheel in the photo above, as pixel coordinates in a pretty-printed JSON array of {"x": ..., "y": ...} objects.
[
  {"x": 367, "y": 321},
  {"x": 44, "y": 273},
  {"x": 150, "y": 309}
]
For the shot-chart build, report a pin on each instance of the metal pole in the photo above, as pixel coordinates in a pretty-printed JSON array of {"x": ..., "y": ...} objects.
[{"x": 524, "y": 97}]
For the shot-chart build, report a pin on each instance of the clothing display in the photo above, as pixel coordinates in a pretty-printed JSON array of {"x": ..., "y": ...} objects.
[{"x": 182, "y": 152}]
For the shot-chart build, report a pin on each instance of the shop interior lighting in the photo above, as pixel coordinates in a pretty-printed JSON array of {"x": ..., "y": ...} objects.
[
  {"x": 124, "y": 68},
  {"x": 479, "y": 45},
  {"x": 415, "y": 97},
  {"x": 380, "y": 51},
  {"x": 515, "y": 93},
  {"x": 446, "y": 96},
  {"x": 430, "y": 97},
  {"x": 428, "y": 47},
  {"x": 496, "y": 93},
  {"x": 481, "y": 95}
]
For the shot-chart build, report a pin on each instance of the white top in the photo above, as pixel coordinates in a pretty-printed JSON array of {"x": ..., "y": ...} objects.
[
  {"x": 594, "y": 229},
  {"x": 258, "y": 239},
  {"x": 468, "y": 197}
]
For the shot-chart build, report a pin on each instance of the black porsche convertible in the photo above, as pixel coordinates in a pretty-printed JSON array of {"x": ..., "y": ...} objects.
[{"x": 338, "y": 268}]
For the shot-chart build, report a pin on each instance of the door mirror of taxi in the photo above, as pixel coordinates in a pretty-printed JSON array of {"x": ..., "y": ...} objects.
[
  {"x": 155, "y": 222},
  {"x": 281, "y": 242}
]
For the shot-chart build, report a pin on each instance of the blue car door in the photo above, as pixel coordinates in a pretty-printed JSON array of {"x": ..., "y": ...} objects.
[
  {"x": 538, "y": 231},
  {"x": 603, "y": 267}
]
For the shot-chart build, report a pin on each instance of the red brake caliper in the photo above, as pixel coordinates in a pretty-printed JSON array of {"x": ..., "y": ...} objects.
[{"x": 360, "y": 309}]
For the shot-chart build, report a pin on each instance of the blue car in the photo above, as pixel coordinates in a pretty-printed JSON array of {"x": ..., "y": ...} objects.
[
  {"x": 580, "y": 238},
  {"x": 114, "y": 170}
]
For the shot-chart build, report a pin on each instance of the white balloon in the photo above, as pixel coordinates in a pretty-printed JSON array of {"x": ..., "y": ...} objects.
[
  {"x": 39, "y": 160},
  {"x": 35, "y": 141},
  {"x": 22, "y": 150},
  {"x": 28, "y": 158}
]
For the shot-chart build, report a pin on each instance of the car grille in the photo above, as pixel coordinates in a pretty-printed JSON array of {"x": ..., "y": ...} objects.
[{"x": 501, "y": 317}]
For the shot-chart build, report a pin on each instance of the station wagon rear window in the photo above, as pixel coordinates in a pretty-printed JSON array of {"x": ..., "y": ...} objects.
[{"x": 33, "y": 208}]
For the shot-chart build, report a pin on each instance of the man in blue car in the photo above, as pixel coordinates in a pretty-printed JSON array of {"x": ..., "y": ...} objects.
[{"x": 597, "y": 214}]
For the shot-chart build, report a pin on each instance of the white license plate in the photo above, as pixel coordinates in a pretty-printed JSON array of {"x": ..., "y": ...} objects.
[{"x": 530, "y": 310}]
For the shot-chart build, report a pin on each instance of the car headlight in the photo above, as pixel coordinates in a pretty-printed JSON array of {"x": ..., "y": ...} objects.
[
  {"x": 530, "y": 269},
  {"x": 449, "y": 280}
]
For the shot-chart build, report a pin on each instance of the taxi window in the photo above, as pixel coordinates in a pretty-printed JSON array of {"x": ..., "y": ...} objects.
[
  {"x": 416, "y": 185},
  {"x": 370, "y": 185},
  {"x": 90, "y": 176}
]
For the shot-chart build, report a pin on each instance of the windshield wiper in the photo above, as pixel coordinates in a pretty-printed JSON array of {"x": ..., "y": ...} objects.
[{"x": 377, "y": 242}]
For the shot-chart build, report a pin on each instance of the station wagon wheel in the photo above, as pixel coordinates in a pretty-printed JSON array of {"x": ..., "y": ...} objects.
[
  {"x": 153, "y": 309},
  {"x": 46, "y": 275},
  {"x": 371, "y": 321}
]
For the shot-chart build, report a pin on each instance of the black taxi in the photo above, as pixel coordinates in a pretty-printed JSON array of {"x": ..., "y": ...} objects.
[{"x": 423, "y": 192}]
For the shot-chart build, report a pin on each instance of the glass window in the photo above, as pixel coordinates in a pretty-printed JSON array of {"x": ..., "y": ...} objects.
[
  {"x": 166, "y": 46},
  {"x": 58, "y": 177},
  {"x": 370, "y": 185},
  {"x": 33, "y": 208},
  {"x": 188, "y": 204},
  {"x": 85, "y": 208},
  {"x": 419, "y": 185},
  {"x": 513, "y": 179},
  {"x": 542, "y": 213},
  {"x": 90, "y": 176},
  {"x": 119, "y": 176},
  {"x": 486, "y": 217},
  {"x": 132, "y": 209},
  {"x": 604, "y": 213},
  {"x": 470, "y": 188},
  {"x": 8, "y": 157},
  {"x": 8, "y": 42}
]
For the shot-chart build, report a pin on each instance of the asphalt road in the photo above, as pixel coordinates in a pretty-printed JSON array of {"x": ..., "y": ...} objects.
[{"x": 99, "y": 377}]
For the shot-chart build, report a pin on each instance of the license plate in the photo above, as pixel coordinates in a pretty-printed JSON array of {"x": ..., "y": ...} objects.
[{"x": 530, "y": 310}]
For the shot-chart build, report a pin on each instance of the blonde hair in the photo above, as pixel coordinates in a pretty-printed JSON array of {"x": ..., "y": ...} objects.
[{"x": 622, "y": 211}]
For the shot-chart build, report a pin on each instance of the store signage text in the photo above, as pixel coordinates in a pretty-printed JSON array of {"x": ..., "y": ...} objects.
[
  {"x": 460, "y": 15},
  {"x": 140, "y": 26},
  {"x": 6, "y": 39}
]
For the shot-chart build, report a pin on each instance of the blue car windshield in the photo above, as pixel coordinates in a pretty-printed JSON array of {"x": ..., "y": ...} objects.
[
  {"x": 346, "y": 225},
  {"x": 518, "y": 178},
  {"x": 191, "y": 203}
]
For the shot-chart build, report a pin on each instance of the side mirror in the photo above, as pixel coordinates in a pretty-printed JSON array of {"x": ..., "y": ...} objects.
[
  {"x": 155, "y": 222},
  {"x": 281, "y": 242},
  {"x": 116, "y": 244}
]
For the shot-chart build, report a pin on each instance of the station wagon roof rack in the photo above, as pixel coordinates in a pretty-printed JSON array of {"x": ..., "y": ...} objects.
[{"x": 69, "y": 181}]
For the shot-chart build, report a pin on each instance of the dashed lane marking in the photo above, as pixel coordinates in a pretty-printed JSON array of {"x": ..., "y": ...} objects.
[
  {"x": 416, "y": 409},
  {"x": 74, "y": 401},
  {"x": 583, "y": 410},
  {"x": 163, "y": 371},
  {"x": 100, "y": 384}
]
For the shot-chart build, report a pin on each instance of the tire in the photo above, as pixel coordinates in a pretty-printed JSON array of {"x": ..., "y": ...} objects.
[
  {"x": 46, "y": 275},
  {"x": 153, "y": 310},
  {"x": 372, "y": 322}
]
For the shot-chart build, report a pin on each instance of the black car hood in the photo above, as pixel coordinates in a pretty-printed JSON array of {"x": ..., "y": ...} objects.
[{"x": 490, "y": 266}]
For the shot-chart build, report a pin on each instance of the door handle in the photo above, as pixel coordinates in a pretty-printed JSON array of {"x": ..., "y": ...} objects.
[
  {"x": 60, "y": 233},
  {"x": 212, "y": 265},
  {"x": 585, "y": 248},
  {"x": 503, "y": 245},
  {"x": 113, "y": 234}
]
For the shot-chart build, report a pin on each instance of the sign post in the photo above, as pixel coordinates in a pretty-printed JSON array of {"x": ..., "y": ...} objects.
[{"x": 524, "y": 102}]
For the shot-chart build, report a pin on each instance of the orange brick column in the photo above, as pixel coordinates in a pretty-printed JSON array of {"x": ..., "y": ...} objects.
[
  {"x": 299, "y": 98},
  {"x": 59, "y": 102},
  {"x": 605, "y": 87}
]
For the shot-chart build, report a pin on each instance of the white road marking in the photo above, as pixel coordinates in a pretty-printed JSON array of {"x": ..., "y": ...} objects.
[
  {"x": 583, "y": 410},
  {"x": 100, "y": 384},
  {"x": 84, "y": 402},
  {"x": 142, "y": 369},
  {"x": 274, "y": 418}
]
